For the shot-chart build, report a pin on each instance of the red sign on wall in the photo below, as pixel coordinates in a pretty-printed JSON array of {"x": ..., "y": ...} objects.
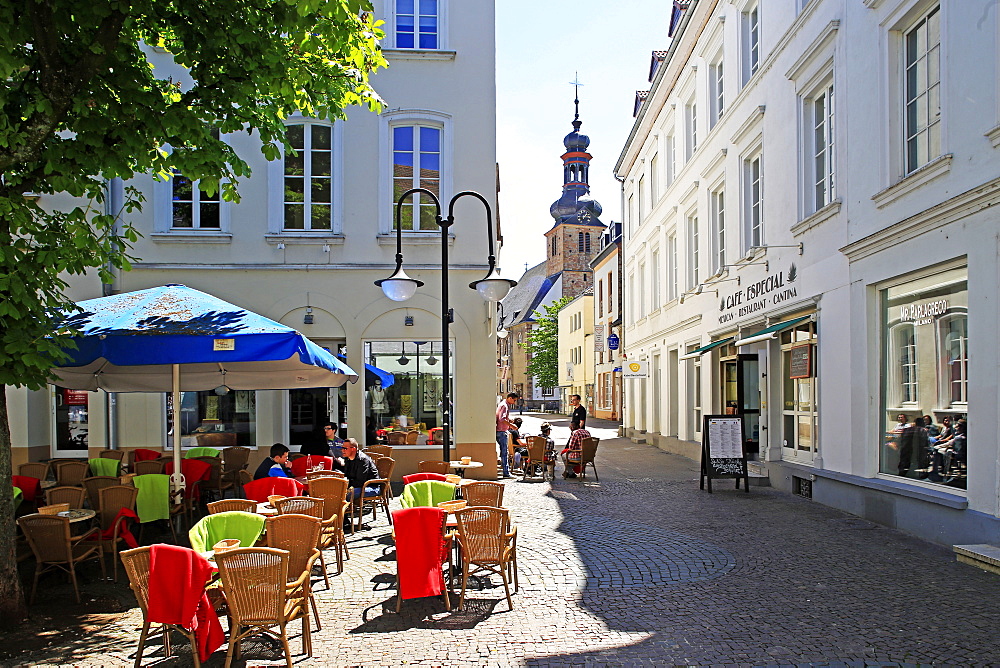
[{"x": 75, "y": 397}]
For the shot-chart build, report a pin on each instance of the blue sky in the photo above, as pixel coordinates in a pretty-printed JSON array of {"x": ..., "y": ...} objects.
[{"x": 541, "y": 45}]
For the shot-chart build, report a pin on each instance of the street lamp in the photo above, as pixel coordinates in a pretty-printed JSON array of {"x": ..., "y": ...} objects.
[{"x": 400, "y": 287}]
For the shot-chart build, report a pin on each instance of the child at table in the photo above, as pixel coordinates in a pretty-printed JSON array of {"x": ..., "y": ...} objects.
[{"x": 274, "y": 466}]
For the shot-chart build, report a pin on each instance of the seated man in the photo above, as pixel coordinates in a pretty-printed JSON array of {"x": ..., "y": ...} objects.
[
  {"x": 358, "y": 468},
  {"x": 320, "y": 446},
  {"x": 573, "y": 452},
  {"x": 274, "y": 466}
]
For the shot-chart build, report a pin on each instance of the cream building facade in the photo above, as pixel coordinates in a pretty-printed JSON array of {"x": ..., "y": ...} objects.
[
  {"x": 811, "y": 243},
  {"x": 304, "y": 247},
  {"x": 576, "y": 349}
]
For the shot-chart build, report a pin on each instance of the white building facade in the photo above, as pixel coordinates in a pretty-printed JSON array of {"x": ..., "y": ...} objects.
[
  {"x": 811, "y": 243},
  {"x": 304, "y": 246}
]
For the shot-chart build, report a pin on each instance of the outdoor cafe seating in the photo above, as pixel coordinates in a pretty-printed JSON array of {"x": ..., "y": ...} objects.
[
  {"x": 299, "y": 535},
  {"x": 54, "y": 547},
  {"x": 487, "y": 543},
  {"x": 423, "y": 545}
]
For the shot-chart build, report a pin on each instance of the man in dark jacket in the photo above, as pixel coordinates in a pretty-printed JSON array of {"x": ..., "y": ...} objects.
[{"x": 359, "y": 469}]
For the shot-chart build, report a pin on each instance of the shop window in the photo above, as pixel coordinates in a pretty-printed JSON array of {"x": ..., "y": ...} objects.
[
  {"x": 799, "y": 410},
  {"x": 213, "y": 420},
  {"x": 925, "y": 371},
  {"x": 415, "y": 396}
]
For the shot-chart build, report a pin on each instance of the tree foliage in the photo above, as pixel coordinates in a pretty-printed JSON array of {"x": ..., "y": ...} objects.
[
  {"x": 83, "y": 102},
  {"x": 543, "y": 344}
]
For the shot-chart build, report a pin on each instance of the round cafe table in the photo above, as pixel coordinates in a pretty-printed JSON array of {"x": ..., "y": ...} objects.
[
  {"x": 78, "y": 515},
  {"x": 460, "y": 467}
]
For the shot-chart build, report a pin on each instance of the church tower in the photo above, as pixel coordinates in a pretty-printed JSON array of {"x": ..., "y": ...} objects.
[{"x": 574, "y": 238}]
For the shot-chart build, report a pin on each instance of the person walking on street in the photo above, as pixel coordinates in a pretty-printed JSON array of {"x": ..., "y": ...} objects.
[
  {"x": 504, "y": 424},
  {"x": 578, "y": 418}
]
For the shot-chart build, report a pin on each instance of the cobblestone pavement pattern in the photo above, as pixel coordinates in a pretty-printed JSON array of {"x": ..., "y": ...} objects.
[{"x": 643, "y": 568}]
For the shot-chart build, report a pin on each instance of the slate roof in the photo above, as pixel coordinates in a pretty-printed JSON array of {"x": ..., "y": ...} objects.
[{"x": 529, "y": 294}]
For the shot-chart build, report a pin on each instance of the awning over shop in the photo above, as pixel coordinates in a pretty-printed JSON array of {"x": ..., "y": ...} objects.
[
  {"x": 698, "y": 352},
  {"x": 771, "y": 332}
]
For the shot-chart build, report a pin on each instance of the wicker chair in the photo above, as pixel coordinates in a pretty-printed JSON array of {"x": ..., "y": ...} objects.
[
  {"x": 433, "y": 466},
  {"x": 136, "y": 562},
  {"x": 74, "y": 496},
  {"x": 484, "y": 493},
  {"x": 381, "y": 450},
  {"x": 260, "y": 597},
  {"x": 234, "y": 460},
  {"x": 53, "y": 547},
  {"x": 147, "y": 467},
  {"x": 113, "y": 454},
  {"x": 299, "y": 534},
  {"x": 385, "y": 466},
  {"x": 94, "y": 484},
  {"x": 333, "y": 491},
  {"x": 536, "y": 459},
  {"x": 411, "y": 544},
  {"x": 38, "y": 470},
  {"x": 292, "y": 456},
  {"x": 487, "y": 544},
  {"x": 396, "y": 438},
  {"x": 112, "y": 500},
  {"x": 223, "y": 505},
  {"x": 589, "y": 451},
  {"x": 71, "y": 473},
  {"x": 412, "y": 436},
  {"x": 214, "y": 484},
  {"x": 314, "y": 507}
]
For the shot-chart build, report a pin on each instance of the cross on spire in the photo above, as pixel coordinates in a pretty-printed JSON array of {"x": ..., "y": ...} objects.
[{"x": 576, "y": 94}]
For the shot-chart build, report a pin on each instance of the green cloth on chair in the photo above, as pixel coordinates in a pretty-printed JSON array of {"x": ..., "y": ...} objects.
[
  {"x": 245, "y": 527},
  {"x": 17, "y": 495},
  {"x": 426, "y": 493},
  {"x": 104, "y": 466},
  {"x": 201, "y": 452},
  {"x": 153, "y": 501}
]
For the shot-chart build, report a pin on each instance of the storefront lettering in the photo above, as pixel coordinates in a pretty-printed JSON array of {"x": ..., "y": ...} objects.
[
  {"x": 757, "y": 296},
  {"x": 921, "y": 314}
]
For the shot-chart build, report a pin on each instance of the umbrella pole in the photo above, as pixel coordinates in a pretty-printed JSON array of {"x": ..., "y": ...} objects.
[{"x": 177, "y": 478}]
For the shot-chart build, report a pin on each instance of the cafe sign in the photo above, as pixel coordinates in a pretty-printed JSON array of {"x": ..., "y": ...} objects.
[{"x": 771, "y": 290}]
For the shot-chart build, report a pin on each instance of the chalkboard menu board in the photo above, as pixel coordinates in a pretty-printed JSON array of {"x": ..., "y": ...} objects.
[
  {"x": 723, "y": 450},
  {"x": 800, "y": 361}
]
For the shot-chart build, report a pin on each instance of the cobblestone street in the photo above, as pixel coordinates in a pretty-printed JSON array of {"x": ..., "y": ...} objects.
[{"x": 643, "y": 568}]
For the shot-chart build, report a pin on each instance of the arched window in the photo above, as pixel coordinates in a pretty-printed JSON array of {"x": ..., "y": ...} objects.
[
  {"x": 583, "y": 242},
  {"x": 953, "y": 333}
]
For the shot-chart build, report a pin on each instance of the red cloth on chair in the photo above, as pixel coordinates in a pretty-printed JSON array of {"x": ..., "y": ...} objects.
[
  {"x": 300, "y": 465},
  {"x": 31, "y": 488},
  {"x": 420, "y": 551},
  {"x": 417, "y": 477},
  {"x": 123, "y": 516},
  {"x": 259, "y": 490},
  {"x": 177, "y": 578},
  {"x": 145, "y": 454},
  {"x": 194, "y": 470}
]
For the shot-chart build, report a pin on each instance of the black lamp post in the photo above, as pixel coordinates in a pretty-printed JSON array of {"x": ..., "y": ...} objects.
[{"x": 400, "y": 287}]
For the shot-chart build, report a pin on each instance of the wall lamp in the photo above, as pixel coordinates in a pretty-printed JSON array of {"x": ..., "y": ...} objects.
[
  {"x": 753, "y": 249},
  {"x": 501, "y": 332},
  {"x": 765, "y": 263},
  {"x": 704, "y": 287}
]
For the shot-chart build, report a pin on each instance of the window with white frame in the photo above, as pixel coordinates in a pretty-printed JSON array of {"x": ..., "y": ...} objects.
[
  {"x": 654, "y": 179},
  {"x": 672, "y": 267},
  {"x": 641, "y": 296},
  {"x": 719, "y": 227},
  {"x": 954, "y": 356},
  {"x": 631, "y": 298},
  {"x": 671, "y": 166},
  {"x": 922, "y": 90},
  {"x": 753, "y": 180},
  {"x": 904, "y": 349},
  {"x": 694, "y": 253},
  {"x": 308, "y": 177},
  {"x": 416, "y": 163},
  {"x": 717, "y": 87},
  {"x": 611, "y": 293},
  {"x": 418, "y": 24},
  {"x": 751, "y": 41},
  {"x": 654, "y": 279},
  {"x": 643, "y": 198},
  {"x": 819, "y": 111},
  {"x": 691, "y": 127},
  {"x": 193, "y": 208}
]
